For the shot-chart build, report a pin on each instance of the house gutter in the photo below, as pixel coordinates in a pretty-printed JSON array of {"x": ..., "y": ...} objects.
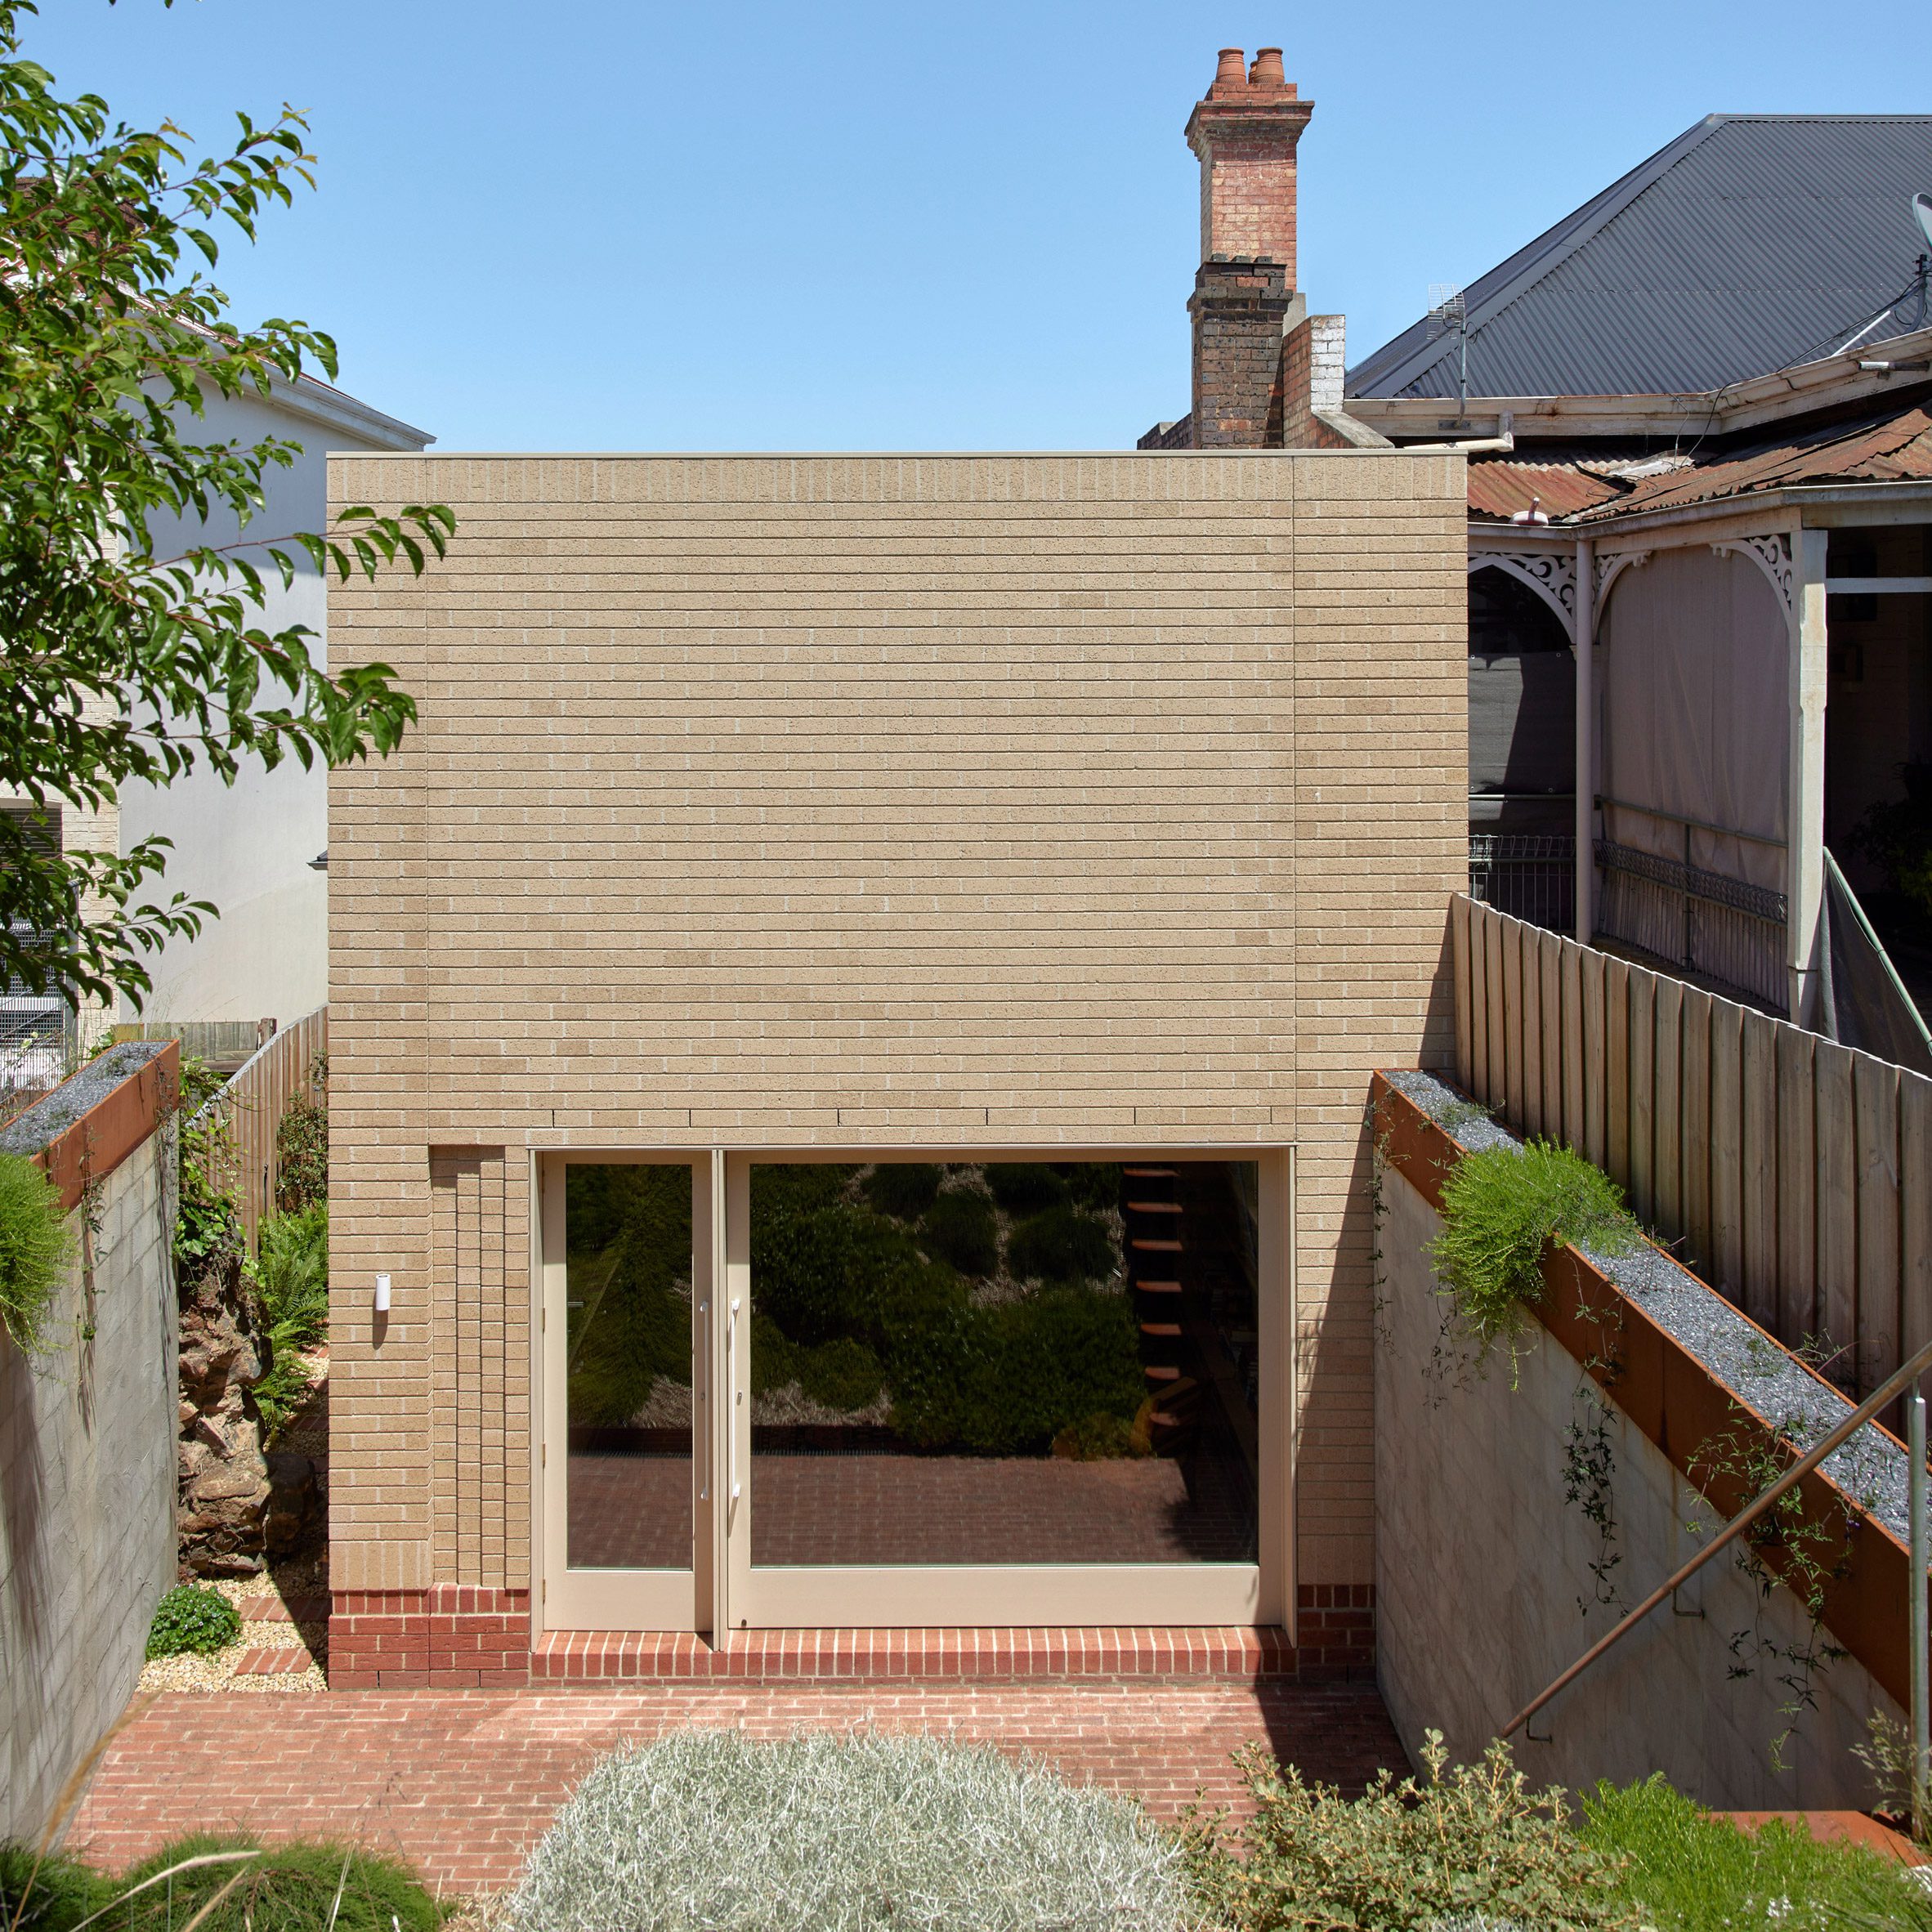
[{"x": 1498, "y": 445}]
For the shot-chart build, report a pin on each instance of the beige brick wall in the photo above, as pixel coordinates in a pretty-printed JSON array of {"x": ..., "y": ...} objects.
[{"x": 874, "y": 802}]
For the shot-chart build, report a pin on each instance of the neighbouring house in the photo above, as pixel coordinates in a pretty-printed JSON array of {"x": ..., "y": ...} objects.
[
  {"x": 1700, "y": 548},
  {"x": 257, "y": 848}
]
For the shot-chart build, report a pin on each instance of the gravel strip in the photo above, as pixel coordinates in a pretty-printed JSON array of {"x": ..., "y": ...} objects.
[
  {"x": 217, "y": 1672},
  {"x": 1871, "y": 1468}
]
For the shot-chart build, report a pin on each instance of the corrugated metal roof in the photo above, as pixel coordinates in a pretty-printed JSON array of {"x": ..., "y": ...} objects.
[
  {"x": 1893, "y": 448},
  {"x": 1500, "y": 488},
  {"x": 1751, "y": 242}
]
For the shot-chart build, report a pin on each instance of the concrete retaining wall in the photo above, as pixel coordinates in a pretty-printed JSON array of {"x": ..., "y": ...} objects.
[
  {"x": 1485, "y": 1592},
  {"x": 87, "y": 1452}
]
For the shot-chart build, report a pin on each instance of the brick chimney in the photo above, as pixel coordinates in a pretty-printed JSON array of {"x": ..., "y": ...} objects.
[{"x": 1244, "y": 132}]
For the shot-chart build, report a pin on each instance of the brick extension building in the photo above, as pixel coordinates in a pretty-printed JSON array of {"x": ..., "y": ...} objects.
[{"x": 850, "y": 1020}]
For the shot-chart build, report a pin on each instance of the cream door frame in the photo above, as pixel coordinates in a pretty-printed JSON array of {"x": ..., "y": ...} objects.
[
  {"x": 613, "y": 1600},
  {"x": 723, "y": 1594},
  {"x": 855, "y": 1596}
]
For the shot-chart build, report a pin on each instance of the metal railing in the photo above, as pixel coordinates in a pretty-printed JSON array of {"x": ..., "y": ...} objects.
[
  {"x": 1720, "y": 928},
  {"x": 1532, "y": 877},
  {"x": 1867, "y": 1411}
]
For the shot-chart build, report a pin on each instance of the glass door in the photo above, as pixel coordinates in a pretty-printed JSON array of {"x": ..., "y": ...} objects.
[
  {"x": 974, "y": 1391},
  {"x": 951, "y": 1392},
  {"x": 627, "y": 1258}
]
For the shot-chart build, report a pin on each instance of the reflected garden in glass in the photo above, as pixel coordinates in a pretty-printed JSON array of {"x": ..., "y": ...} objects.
[
  {"x": 629, "y": 1331},
  {"x": 1002, "y": 1362}
]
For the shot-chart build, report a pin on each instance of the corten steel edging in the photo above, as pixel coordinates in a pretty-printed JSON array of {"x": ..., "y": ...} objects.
[
  {"x": 1679, "y": 1405},
  {"x": 92, "y": 1147}
]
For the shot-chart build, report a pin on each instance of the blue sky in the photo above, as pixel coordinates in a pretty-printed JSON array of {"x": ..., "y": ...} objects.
[{"x": 618, "y": 224}]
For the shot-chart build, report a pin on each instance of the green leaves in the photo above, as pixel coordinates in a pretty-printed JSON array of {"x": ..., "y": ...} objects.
[{"x": 121, "y": 660}]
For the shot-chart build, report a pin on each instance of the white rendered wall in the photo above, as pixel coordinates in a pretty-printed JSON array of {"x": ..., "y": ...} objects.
[
  {"x": 1481, "y": 1564},
  {"x": 248, "y": 847}
]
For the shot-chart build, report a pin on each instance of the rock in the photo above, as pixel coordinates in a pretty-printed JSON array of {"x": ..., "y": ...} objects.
[
  {"x": 294, "y": 1502},
  {"x": 225, "y": 1488}
]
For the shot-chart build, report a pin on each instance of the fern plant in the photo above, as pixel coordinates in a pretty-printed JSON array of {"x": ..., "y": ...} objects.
[{"x": 291, "y": 1279}]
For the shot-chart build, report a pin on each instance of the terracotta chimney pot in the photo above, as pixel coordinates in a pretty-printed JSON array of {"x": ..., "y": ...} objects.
[
  {"x": 1231, "y": 77},
  {"x": 1266, "y": 71}
]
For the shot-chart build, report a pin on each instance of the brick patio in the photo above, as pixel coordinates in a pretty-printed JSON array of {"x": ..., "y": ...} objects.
[{"x": 462, "y": 1782}]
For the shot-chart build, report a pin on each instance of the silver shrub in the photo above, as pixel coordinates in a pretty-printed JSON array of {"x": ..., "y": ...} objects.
[{"x": 842, "y": 1833}]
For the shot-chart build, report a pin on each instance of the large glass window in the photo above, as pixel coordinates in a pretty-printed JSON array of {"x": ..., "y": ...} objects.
[
  {"x": 628, "y": 1338},
  {"x": 1003, "y": 1363}
]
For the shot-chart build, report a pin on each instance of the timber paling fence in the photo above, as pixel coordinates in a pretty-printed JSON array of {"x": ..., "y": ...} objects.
[
  {"x": 1793, "y": 1175},
  {"x": 288, "y": 1065}
]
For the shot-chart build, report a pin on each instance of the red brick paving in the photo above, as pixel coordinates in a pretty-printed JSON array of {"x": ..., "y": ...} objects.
[
  {"x": 461, "y": 1783},
  {"x": 280, "y": 1660}
]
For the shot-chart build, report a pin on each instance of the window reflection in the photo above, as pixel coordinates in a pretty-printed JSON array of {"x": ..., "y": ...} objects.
[
  {"x": 1003, "y": 1363},
  {"x": 629, "y": 1331}
]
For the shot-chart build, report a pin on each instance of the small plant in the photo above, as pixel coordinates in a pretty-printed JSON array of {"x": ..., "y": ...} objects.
[
  {"x": 192, "y": 1617},
  {"x": 904, "y": 1189},
  {"x": 209, "y": 1238},
  {"x": 1787, "y": 1546},
  {"x": 959, "y": 1228},
  {"x": 1683, "y": 1872},
  {"x": 1888, "y": 1754},
  {"x": 829, "y": 1833},
  {"x": 1469, "y": 1844},
  {"x": 301, "y": 1150},
  {"x": 843, "y": 1374},
  {"x": 1025, "y": 1187},
  {"x": 36, "y": 1248},
  {"x": 1502, "y": 1208},
  {"x": 1061, "y": 1245}
]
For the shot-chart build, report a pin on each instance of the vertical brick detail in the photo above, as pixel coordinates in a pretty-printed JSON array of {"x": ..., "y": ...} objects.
[
  {"x": 1238, "y": 307},
  {"x": 480, "y": 1403}
]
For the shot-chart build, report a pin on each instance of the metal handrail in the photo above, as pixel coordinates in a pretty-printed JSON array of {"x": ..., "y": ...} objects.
[{"x": 1900, "y": 1379}]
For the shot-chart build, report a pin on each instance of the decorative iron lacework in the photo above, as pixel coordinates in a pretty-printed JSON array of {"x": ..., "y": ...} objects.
[
  {"x": 1549, "y": 572},
  {"x": 1758, "y": 902},
  {"x": 1772, "y": 554}
]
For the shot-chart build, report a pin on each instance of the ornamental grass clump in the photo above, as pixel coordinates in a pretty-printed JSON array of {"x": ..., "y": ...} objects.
[
  {"x": 36, "y": 1250},
  {"x": 217, "y": 1884},
  {"x": 1472, "y": 1844},
  {"x": 824, "y": 1833},
  {"x": 1683, "y": 1870},
  {"x": 1502, "y": 1208}
]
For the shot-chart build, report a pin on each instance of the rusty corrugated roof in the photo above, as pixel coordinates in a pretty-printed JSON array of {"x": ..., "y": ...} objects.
[
  {"x": 1895, "y": 448},
  {"x": 1500, "y": 488}
]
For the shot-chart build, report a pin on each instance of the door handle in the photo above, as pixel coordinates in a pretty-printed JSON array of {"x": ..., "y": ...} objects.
[
  {"x": 705, "y": 1493},
  {"x": 731, "y": 1385}
]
